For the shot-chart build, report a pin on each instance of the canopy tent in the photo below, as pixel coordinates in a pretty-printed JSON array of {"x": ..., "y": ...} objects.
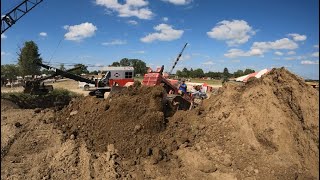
[{"x": 255, "y": 74}]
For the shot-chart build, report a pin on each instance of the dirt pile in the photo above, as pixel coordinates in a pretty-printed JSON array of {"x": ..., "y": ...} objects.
[
  {"x": 269, "y": 127},
  {"x": 128, "y": 120}
]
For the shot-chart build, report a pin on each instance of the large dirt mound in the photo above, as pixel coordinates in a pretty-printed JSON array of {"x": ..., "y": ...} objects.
[
  {"x": 269, "y": 127},
  {"x": 128, "y": 120}
]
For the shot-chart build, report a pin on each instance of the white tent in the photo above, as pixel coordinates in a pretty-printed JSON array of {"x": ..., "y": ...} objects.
[{"x": 255, "y": 74}]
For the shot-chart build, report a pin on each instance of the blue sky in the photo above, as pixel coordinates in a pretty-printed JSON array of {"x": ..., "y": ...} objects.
[{"x": 236, "y": 34}]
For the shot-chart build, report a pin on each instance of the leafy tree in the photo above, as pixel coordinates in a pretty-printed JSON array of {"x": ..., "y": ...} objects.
[
  {"x": 238, "y": 73},
  {"x": 226, "y": 75},
  {"x": 248, "y": 71},
  {"x": 139, "y": 66},
  {"x": 198, "y": 73},
  {"x": 28, "y": 56},
  {"x": 9, "y": 71},
  {"x": 94, "y": 72},
  {"x": 125, "y": 62},
  {"x": 62, "y": 68},
  {"x": 115, "y": 64},
  {"x": 82, "y": 70},
  {"x": 46, "y": 71}
]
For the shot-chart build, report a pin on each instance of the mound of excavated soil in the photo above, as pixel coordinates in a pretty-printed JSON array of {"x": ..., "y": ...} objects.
[
  {"x": 269, "y": 127},
  {"x": 6, "y": 104},
  {"x": 128, "y": 120}
]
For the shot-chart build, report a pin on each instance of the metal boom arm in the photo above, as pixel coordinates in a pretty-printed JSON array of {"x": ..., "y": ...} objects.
[
  {"x": 15, "y": 14},
  {"x": 175, "y": 63}
]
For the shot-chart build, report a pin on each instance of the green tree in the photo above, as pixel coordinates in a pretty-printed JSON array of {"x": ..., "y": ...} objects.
[
  {"x": 28, "y": 56},
  {"x": 82, "y": 70},
  {"x": 226, "y": 75},
  {"x": 9, "y": 71},
  {"x": 139, "y": 66},
  {"x": 115, "y": 64},
  {"x": 238, "y": 73},
  {"x": 198, "y": 73},
  {"x": 94, "y": 72},
  {"x": 248, "y": 71},
  {"x": 62, "y": 68},
  {"x": 125, "y": 62}
]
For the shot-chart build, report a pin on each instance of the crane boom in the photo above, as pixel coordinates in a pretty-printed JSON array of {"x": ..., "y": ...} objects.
[
  {"x": 175, "y": 63},
  {"x": 16, "y": 13}
]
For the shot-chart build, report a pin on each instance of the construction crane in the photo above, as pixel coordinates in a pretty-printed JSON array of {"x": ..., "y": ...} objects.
[
  {"x": 16, "y": 13},
  {"x": 175, "y": 63}
]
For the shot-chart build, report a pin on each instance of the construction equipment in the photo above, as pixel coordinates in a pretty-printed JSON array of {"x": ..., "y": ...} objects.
[
  {"x": 16, "y": 13},
  {"x": 175, "y": 100},
  {"x": 37, "y": 87},
  {"x": 111, "y": 80}
]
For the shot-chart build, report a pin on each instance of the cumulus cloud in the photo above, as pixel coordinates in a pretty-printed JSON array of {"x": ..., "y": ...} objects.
[
  {"x": 80, "y": 31},
  {"x": 165, "y": 19},
  {"x": 308, "y": 62},
  {"x": 315, "y": 54},
  {"x": 3, "y": 36},
  {"x": 130, "y": 8},
  {"x": 291, "y": 53},
  {"x": 139, "y": 52},
  {"x": 297, "y": 37},
  {"x": 115, "y": 42},
  {"x": 208, "y": 63},
  {"x": 278, "y": 53},
  {"x": 43, "y": 34},
  {"x": 133, "y": 22},
  {"x": 234, "y": 32},
  {"x": 283, "y": 43},
  {"x": 178, "y": 2},
  {"x": 295, "y": 58},
  {"x": 166, "y": 33},
  {"x": 259, "y": 48},
  {"x": 236, "y": 60},
  {"x": 233, "y": 53}
]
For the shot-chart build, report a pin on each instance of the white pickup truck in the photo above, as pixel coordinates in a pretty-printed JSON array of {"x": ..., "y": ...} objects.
[{"x": 86, "y": 86}]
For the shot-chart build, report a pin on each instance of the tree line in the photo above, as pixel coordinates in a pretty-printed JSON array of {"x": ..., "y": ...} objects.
[
  {"x": 29, "y": 54},
  {"x": 198, "y": 73}
]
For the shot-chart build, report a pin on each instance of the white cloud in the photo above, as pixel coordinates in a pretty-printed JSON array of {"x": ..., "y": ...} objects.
[
  {"x": 3, "y": 53},
  {"x": 130, "y": 8},
  {"x": 283, "y": 43},
  {"x": 80, "y": 31},
  {"x": 185, "y": 57},
  {"x": 133, "y": 22},
  {"x": 44, "y": 34},
  {"x": 315, "y": 54},
  {"x": 259, "y": 48},
  {"x": 278, "y": 53},
  {"x": 165, "y": 19},
  {"x": 233, "y": 53},
  {"x": 295, "y": 58},
  {"x": 316, "y": 46},
  {"x": 236, "y": 60},
  {"x": 139, "y": 52},
  {"x": 166, "y": 33},
  {"x": 307, "y": 62},
  {"x": 235, "y": 32},
  {"x": 115, "y": 42},
  {"x": 3, "y": 36},
  {"x": 298, "y": 37},
  {"x": 178, "y": 2},
  {"x": 208, "y": 63},
  {"x": 291, "y": 53}
]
